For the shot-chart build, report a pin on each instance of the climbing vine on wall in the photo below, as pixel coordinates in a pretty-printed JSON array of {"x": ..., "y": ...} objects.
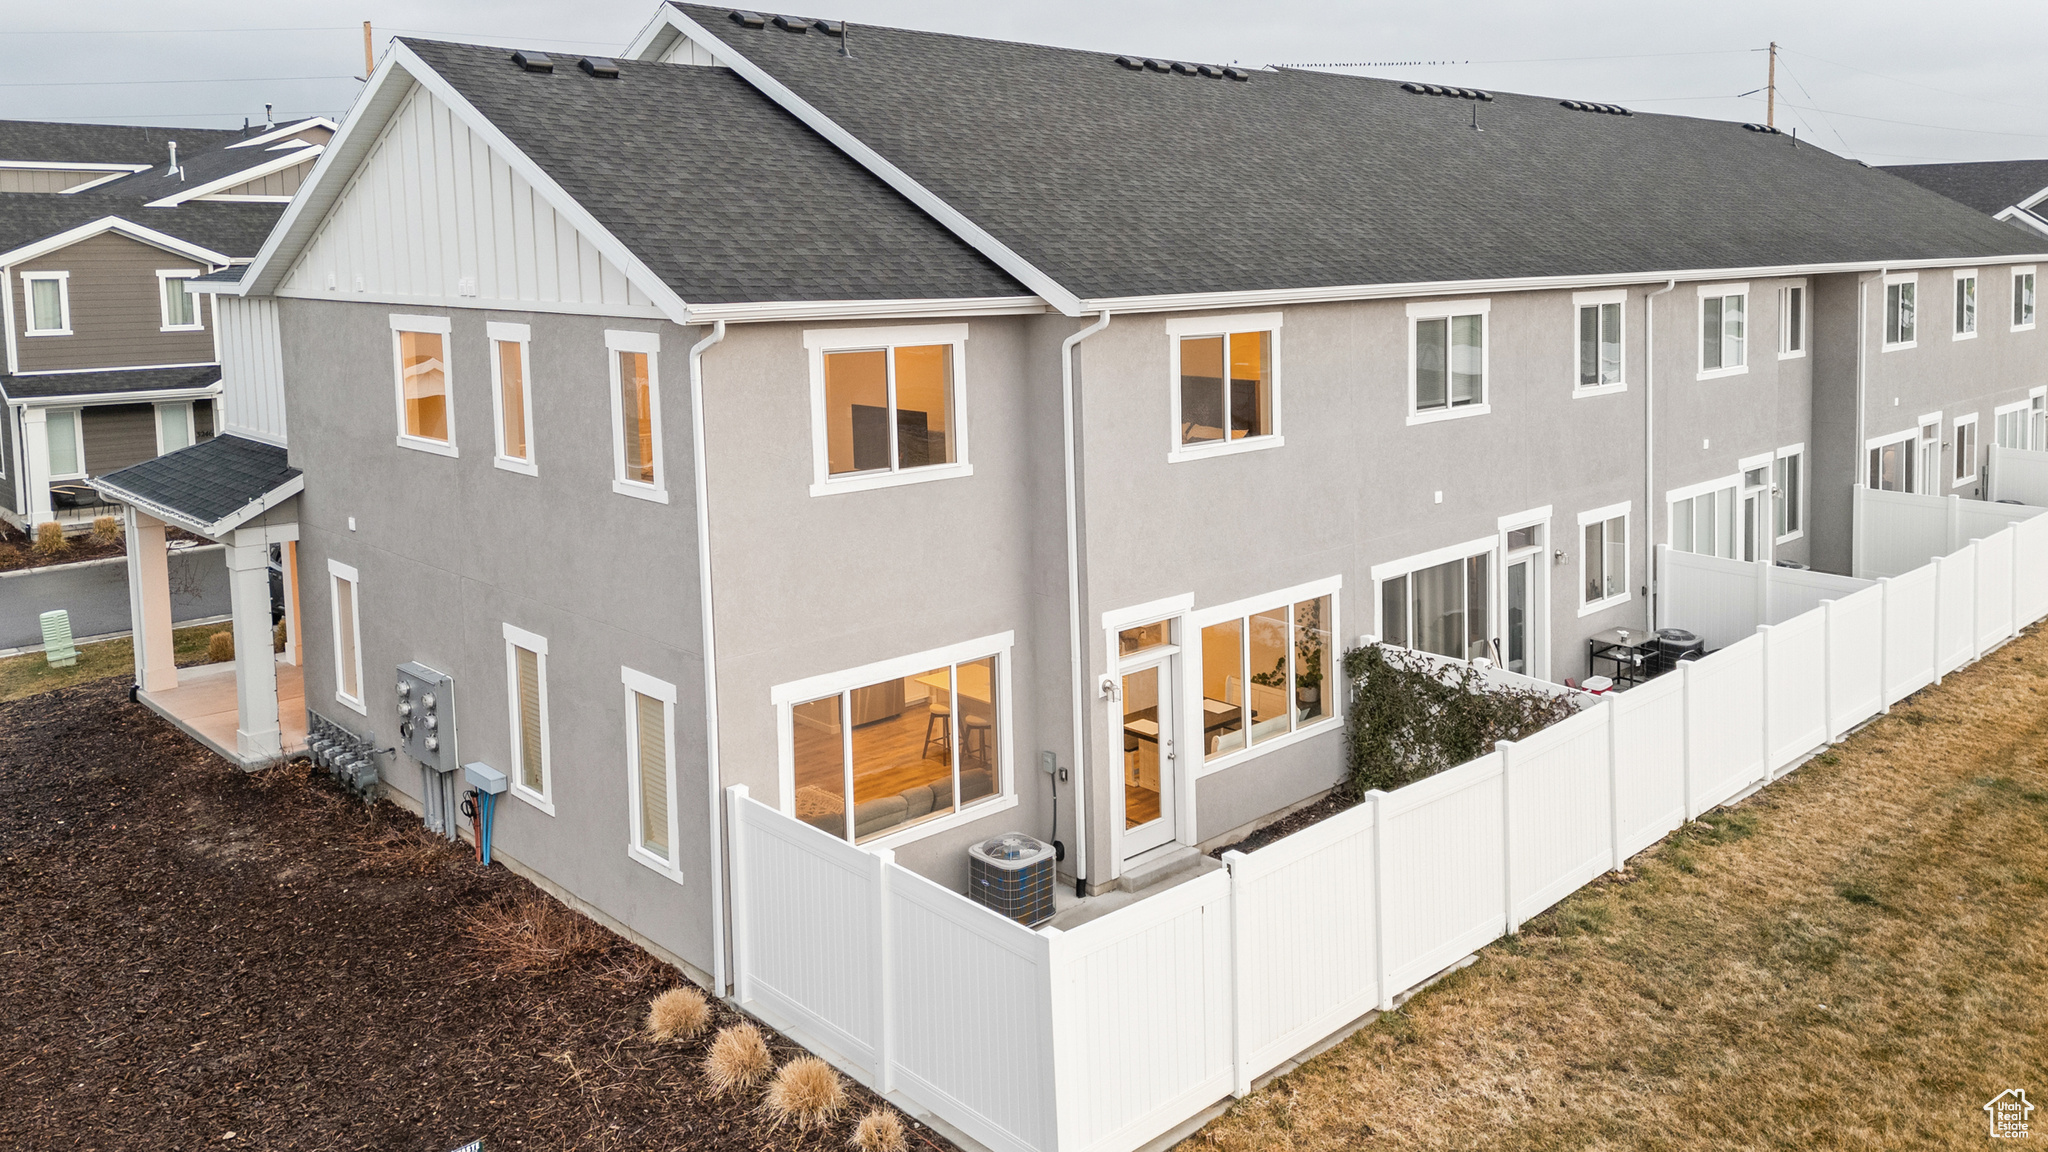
[{"x": 1412, "y": 717}]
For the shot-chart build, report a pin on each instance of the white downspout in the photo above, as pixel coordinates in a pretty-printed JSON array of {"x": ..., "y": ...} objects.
[
  {"x": 1074, "y": 606},
  {"x": 711, "y": 773},
  {"x": 1856, "y": 465},
  {"x": 1650, "y": 446}
]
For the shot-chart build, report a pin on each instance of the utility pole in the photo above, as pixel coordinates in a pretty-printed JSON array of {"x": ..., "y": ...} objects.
[
  {"x": 1770, "y": 88},
  {"x": 370, "y": 59}
]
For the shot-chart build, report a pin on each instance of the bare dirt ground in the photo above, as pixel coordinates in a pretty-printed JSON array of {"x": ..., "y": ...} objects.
[
  {"x": 1856, "y": 957},
  {"x": 191, "y": 957}
]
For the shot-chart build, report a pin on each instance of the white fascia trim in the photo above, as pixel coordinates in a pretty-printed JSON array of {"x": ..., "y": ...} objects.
[
  {"x": 950, "y": 217},
  {"x": 115, "y": 368},
  {"x": 91, "y": 399},
  {"x": 286, "y": 130},
  {"x": 133, "y": 231},
  {"x": 225, "y": 524},
  {"x": 1432, "y": 558},
  {"x": 2024, "y": 217},
  {"x": 800, "y": 310},
  {"x": 75, "y": 166},
  {"x": 243, "y": 176},
  {"x": 2036, "y": 198},
  {"x": 841, "y": 339}
]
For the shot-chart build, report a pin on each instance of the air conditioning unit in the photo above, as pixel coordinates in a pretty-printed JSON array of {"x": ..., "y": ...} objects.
[{"x": 1013, "y": 875}]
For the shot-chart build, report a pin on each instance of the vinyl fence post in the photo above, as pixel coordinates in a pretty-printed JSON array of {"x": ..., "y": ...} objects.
[
  {"x": 1955, "y": 524},
  {"x": 736, "y": 858},
  {"x": 1379, "y": 897},
  {"x": 1612, "y": 705},
  {"x": 1240, "y": 1057},
  {"x": 1764, "y": 699},
  {"x": 1507, "y": 833},
  {"x": 1685, "y": 733},
  {"x": 1884, "y": 646},
  {"x": 885, "y": 977},
  {"x": 1827, "y": 671},
  {"x": 1938, "y": 565},
  {"x": 2013, "y": 585},
  {"x": 1976, "y": 598}
]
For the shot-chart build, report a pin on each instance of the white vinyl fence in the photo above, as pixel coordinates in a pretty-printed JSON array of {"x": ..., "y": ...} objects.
[
  {"x": 1722, "y": 600},
  {"x": 1896, "y": 532},
  {"x": 1101, "y": 1038},
  {"x": 2017, "y": 474}
]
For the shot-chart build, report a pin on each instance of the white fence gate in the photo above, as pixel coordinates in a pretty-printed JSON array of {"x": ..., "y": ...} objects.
[
  {"x": 2017, "y": 474},
  {"x": 1896, "y": 532},
  {"x": 1722, "y": 600},
  {"x": 1101, "y": 1038}
]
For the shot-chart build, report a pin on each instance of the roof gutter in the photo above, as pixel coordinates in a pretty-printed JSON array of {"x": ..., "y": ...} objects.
[
  {"x": 1650, "y": 443},
  {"x": 712, "y": 775},
  {"x": 1074, "y": 657},
  {"x": 271, "y": 499}
]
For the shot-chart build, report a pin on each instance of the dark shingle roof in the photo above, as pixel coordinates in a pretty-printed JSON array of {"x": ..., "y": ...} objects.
[
  {"x": 725, "y": 196},
  {"x": 1118, "y": 182},
  {"x": 207, "y": 482},
  {"x": 233, "y": 229},
  {"x": 1992, "y": 186},
  {"x": 102, "y": 143},
  {"x": 107, "y": 382},
  {"x": 201, "y": 168}
]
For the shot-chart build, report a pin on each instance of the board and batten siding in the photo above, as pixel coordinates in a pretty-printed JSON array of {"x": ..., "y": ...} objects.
[
  {"x": 117, "y": 435},
  {"x": 116, "y": 310},
  {"x": 283, "y": 183},
  {"x": 47, "y": 179},
  {"x": 434, "y": 214},
  {"x": 251, "y": 368}
]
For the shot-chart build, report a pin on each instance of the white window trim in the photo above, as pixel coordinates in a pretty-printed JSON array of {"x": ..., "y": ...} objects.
[
  {"x": 77, "y": 441},
  {"x": 336, "y": 570},
  {"x": 443, "y": 327},
  {"x": 648, "y": 343},
  {"x": 2026, "y": 410},
  {"x": 538, "y": 645},
  {"x": 1191, "y": 679},
  {"x": 1894, "y": 437},
  {"x": 1956, "y": 448},
  {"x": 785, "y": 697},
  {"x": 1628, "y": 541},
  {"x": 1798, "y": 450},
  {"x": 28, "y": 304},
  {"x": 1784, "y": 313},
  {"x": 1884, "y": 312},
  {"x": 2014, "y": 282},
  {"x": 640, "y": 682},
  {"x": 1225, "y": 326},
  {"x": 499, "y": 332},
  {"x": 191, "y": 426},
  {"x": 1699, "y": 319},
  {"x": 1690, "y": 491},
  {"x": 1481, "y": 307},
  {"x": 1977, "y": 315},
  {"x": 1583, "y": 300},
  {"x": 1407, "y": 565},
  {"x": 818, "y": 341},
  {"x": 163, "y": 306}
]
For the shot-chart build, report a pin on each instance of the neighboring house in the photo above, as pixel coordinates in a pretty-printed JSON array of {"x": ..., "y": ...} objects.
[
  {"x": 907, "y": 414},
  {"x": 38, "y": 156},
  {"x": 2012, "y": 190},
  {"x": 110, "y": 359}
]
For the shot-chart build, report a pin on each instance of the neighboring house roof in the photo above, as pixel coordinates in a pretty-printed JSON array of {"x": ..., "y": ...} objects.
[
  {"x": 724, "y": 196},
  {"x": 1990, "y": 187},
  {"x": 216, "y": 166},
  {"x": 1117, "y": 182},
  {"x": 211, "y": 486},
  {"x": 232, "y": 228},
  {"x": 107, "y": 382},
  {"x": 102, "y": 143}
]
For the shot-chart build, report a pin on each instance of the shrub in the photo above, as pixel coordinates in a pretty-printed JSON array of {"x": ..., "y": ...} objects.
[
  {"x": 533, "y": 936},
  {"x": 106, "y": 530},
  {"x": 738, "y": 1059},
  {"x": 879, "y": 1131},
  {"x": 678, "y": 1014},
  {"x": 277, "y": 637},
  {"x": 50, "y": 539},
  {"x": 220, "y": 647},
  {"x": 807, "y": 1092},
  {"x": 1412, "y": 718}
]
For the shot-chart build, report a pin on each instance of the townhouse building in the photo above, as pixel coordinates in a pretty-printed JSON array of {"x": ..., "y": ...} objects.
[{"x": 943, "y": 437}]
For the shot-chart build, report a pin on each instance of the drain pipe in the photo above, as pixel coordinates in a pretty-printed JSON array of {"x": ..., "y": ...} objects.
[
  {"x": 1650, "y": 447},
  {"x": 711, "y": 773},
  {"x": 1074, "y": 612},
  {"x": 1856, "y": 473}
]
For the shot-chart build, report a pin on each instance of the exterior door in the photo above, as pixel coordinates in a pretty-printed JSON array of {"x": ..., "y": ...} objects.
[
  {"x": 1149, "y": 756},
  {"x": 1755, "y": 523},
  {"x": 1517, "y": 616}
]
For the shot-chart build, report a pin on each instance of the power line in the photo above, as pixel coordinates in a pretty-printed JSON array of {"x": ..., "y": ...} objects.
[
  {"x": 109, "y": 83},
  {"x": 162, "y": 31},
  {"x": 1914, "y": 83},
  {"x": 1528, "y": 60},
  {"x": 1917, "y": 124}
]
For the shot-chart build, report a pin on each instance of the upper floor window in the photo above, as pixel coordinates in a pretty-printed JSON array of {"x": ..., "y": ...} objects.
[
  {"x": 1900, "y": 297},
  {"x": 49, "y": 303},
  {"x": 1225, "y": 394},
  {"x": 1447, "y": 359},
  {"x": 1724, "y": 329},
  {"x": 180, "y": 308},
  {"x": 2022, "y": 298},
  {"x": 1600, "y": 353},
  {"x": 1966, "y": 305},
  {"x": 1603, "y": 564},
  {"x": 887, "y": 406},
  {"x": 426, "y": 417},
  {"x": 1791, "y": 321},
  {"x": 636, "y": 415},
  {"x": 511, "y": 401}
]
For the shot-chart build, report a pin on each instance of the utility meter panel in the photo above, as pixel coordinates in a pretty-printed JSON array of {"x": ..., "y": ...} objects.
[{"x": 426, "y": 716}]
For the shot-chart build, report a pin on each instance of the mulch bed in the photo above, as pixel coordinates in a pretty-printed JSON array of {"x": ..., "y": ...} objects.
[
  {"x": 194, "y": 957},
  {"x": 15, "y": 552},
  {"x": 1337, "y": 801}
]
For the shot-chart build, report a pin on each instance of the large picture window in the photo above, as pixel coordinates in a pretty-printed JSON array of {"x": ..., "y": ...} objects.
[
  {"x": 344, "y": 586},
  {"x": 426, "y": 416},
  {"x": 1447, "y": 359},
  {"x": 1599, "y": 339},
  {"x": 636, "y": 415},
  {"x": 1901, "y": 324},
  {"x": 651, "y": 771},
  {"x": 511, "y": 398},
  {"x": 1439, "y": 604},
  {"x": 1603, "y": 560},
  {"x": 1226, "y": 391},
  {"x": 1724, "y": 329},
  {"x": 526, "y": 694},
  {"x": 1266, "y": 673},
  {"x": 872, "y": 754}
]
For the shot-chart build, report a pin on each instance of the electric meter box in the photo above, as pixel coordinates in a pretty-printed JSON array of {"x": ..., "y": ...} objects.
[{"x": 426, "y": 716}]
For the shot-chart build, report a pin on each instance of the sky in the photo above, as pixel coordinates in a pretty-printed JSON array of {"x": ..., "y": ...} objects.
[{"x": 1882, "y": 81}]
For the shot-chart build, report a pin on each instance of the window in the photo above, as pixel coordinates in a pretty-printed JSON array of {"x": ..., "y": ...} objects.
[
  {"x": 2009, "y": 424},
  {"x": 1600, "y": 354},
  {"x": 1966, "y": 305},
  {"x": 887, "y": 406},
  {"x": 1440, "y": 603},
  {"x": 1447, "y": 359},
  {"x": 64, "y": 432},
  {"x": 1603, "y": 564},
  {"x": 651, "y": 771},
  {"x": 1225, "y": 389},
  {"x": 1892, "y": 463},
  {"x": 180, "y": 307},
  {"x": 2037, "y": 407},
  {"x": 526, "y": 697},
  {"x": 49, "y": 303},
  {"x": 2022, "y": 298},
  {"x": 1899, "y": 322},
  {"x": 1724, "y": 339},
  {"x": 1791, "y": 321},
  {"x": 1925, "y": 473},
  {"x": 1702, "y": 518},
  {"x": 173, "y": 426},
  {"x": 1788, "y": 492},
  {"x": 1965, "y": 450},
  {"x": 348, "y": 636},
  {"x": 511, "y": 402},
  {"x": 636, "y": 415},
  {"x": 916, "y": 743},
  {"x": 1273, "y": 662},
  {"x": 426, "y": 417}
]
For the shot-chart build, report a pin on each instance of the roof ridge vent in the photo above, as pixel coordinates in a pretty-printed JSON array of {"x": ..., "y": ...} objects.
[
  {"x": 1589, "y": 106},
  {"x": 1183, "y": 68},
  {"x": 793, "y": 23},
  {"x": 533, "y": 61},
  {"x": 1766, "y": 129},
  {"x": 746, "y": 19},
  {"x": 1422, "y": 89},
  {"x": 599, "y": 66}
]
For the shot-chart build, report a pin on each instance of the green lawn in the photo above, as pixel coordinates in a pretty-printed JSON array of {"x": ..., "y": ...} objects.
[{"x": 30, "y": 673}]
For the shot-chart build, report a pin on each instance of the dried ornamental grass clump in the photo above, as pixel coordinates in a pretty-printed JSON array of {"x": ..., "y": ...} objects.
[
  {"x": 220, "y": 647},
  {"x": 533, "y": 936},
  {"x": 49, "y": 539},
  {"x": 678, "y": 1014},
  {"x": 738, "y": 1059},
  {"x": 879, "y": 1131},
  {"x": 807, "y": 1093},
  {"x": 105, "y": 530}
]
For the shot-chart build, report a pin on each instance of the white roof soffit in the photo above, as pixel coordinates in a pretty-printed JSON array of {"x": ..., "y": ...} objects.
[
  {"x": 284, "y": 130},
  {"x": 290, "y": 159},
  {"x": 955, "y": 221},
  {"x": 126, "y": 228},
  {"x": 394, "y": 79}
]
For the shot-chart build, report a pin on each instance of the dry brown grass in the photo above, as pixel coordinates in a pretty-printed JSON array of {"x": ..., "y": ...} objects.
[
  {"x": 50, "y": 540},
  {"x": 1853, "y": 958},
  {"x": 105, "y": 529},
  {"x": 806, "y": 1092},
  {"x": 678, "y": 1014},
  {"x": 738, "y": 1059},
  {"x": 408, "y": 850},
  {"x": 534, "y": 936},
  {"x": 220, "y": 647},
  {"x": 879, "y": 1131}
]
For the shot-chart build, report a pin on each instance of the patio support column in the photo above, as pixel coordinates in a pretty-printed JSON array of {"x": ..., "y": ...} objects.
[
  {"x": 256, "y": 731},
  {"x": 35, "y": 434},
  {"x": 149, "y": 601}
]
